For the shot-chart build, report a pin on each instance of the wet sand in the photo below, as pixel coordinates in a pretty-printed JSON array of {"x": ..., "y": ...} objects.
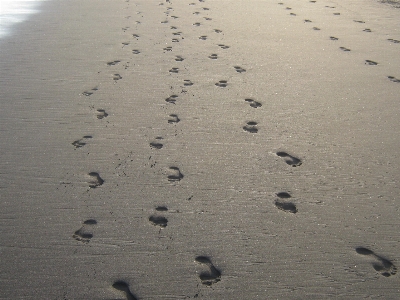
[{"x": 201, "y": 149}]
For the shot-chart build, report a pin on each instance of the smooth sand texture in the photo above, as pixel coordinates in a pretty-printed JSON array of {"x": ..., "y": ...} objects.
[{"x": 145, "y": 156}]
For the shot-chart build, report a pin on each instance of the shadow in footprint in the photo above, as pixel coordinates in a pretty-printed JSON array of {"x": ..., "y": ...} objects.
[
  {"x": 211, "y": 277},
  {"x": 81, "y": 234},
  {"x": 382, "y": 265},
  {"x": 284, "y": 205},
  {"x": 187, "y": 82},
  {"x": 344, "y": 49},
  {"x": 289, "y": 159},
  {"x": 179, "y": 58},
  {"x": 213, "y": 56},
  {"x": 333, "y": 38},
  {"x": 253, "y": 103},
  {"x": 223, "y": 46},
  {"x": 156, "y": 145},
  {"x": 251, "y": 127},
  {"x": 174, "y": 70},
  {"x": 124, "y": 287}
]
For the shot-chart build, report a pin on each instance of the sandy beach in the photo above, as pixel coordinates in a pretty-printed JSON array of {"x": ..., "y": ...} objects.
[{"x": 214, "y": 149}]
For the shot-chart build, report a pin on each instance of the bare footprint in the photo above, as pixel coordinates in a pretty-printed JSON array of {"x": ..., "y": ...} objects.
[
  {"x": 174, "y": 70},
  {"x": 289, "y": 159},
  {"x": 101, "y": 114},
  {"x": 253, "y": 103},
  {"x": 370, "y": 62},
  {"x": 210, "y": 277},
  {"x": 394, "y": 79},
  {"x": 94, "y": 180},
  {"x": 172, "y": 99},
  {"x": 81, "y": 234},
  {"x": 158, "y": 221},
  {"x": 251, "y": 127},
  {"x": 124, "y": 287},
  {"x": 285, "y": 205},
  {"x": 156, "y": 144},
  {"x": 382, "y": 265},
  {"x": 239, "y": 69},
  {"x": 174, "y": 174},
  {"x": 222, "y": 83},
  {"x": 81, "y": 142},
  {"x": 223, "y": 46},
  {"x": 173, "y": 119}
]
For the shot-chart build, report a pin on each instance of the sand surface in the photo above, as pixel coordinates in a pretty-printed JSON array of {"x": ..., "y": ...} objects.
[{"x": 236, "y": 149}]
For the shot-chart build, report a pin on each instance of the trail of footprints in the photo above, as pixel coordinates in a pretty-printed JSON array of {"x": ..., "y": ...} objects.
[{"x": 209, "y": 273}]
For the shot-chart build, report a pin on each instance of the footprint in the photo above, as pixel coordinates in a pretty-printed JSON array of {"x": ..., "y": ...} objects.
[
  {"x": 81, "y": 235},
  {"x": 344, "y": 49},
  {"x": 135, "y": 51},
  {"x": 223, "y": 46},
  {"x": 336, "y": 14},
  {"x": 205, "y": 8},
  {"x": 211, "y": 277},
  {"x": 135, "y": 35},
  {"x": 101, "y": 113},
  {"x": 217, "y": 30},
  {"x": 81, "y": 142},
  {"x": 367, "y": 30},
  {"x": 307, "y": 21},
  {"x": 251, "y": 127},
  {"x": 113, "y": 63},
  {"x": 161, "y": 208},
  {"x": 179, "y": 58},
  {"x": 253, "y": 103},
  {"x": 288, "y": 8},
  {"x": 283, "y": 205},
  {"x": 213, "y": 56},
  {"x": 124, "y": 287},
  {"x": 173, "y": 119},
  {"x": 169, "y": 48},
  {"x": 382, "y": 265},
  {"x": 187, "y": 82},
  {"x": 316, "y": 28},
  {"x": 239, "y": 69},
  {"x": 94, "y": 180},
  {"x": 174, "y": 27},
  {"x": 394, "y": 79},
  {"x": 177, "y": 33},
  {"x": 222, "y": 83},
  {"x": 155, "y": 144},
  {"x": 172, "y": 99},
  {"x": 293, "y": 14},
  {"x": 117, "y": 77},
  {"x": 158, "y": 221},
  {"x": 196, "y": 13},
  {"x": 87, "y": 94},
  {"x": 196, "y": 24},
  {"x": 394, "y": 41},
  {"x": 333, "y": 38},
  {"x": 175, "y": 40},
  {"x": 370, "y": 62},
  {"x": 207, "y": 18},
  {"x": 358, "y": 21},
  {"x": 289, "y": 159},
  {"x": 174, "y": 174},
  {"x": 174, "y": 70},
  {"x": 203, "y": 37}
]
